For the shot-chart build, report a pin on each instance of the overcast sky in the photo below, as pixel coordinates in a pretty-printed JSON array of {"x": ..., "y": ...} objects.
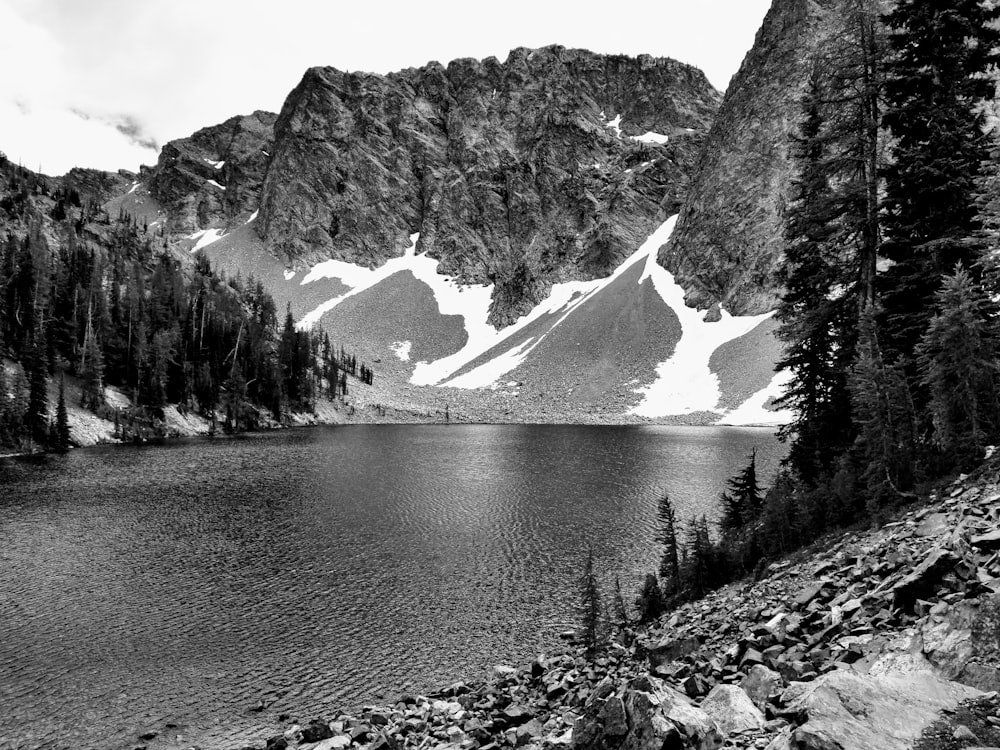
[{"x": 104, "y": 83}]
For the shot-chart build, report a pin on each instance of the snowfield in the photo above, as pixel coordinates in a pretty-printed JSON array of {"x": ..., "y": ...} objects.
[{"x": 684, "y": 383}]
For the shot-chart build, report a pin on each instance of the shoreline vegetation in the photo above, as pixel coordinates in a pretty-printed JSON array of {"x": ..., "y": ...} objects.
[{"x": 88, "y": 429}]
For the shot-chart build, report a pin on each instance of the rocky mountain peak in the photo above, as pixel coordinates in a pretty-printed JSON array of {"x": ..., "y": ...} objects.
[
  {"x": 214, "y": 175},
  {"x": 728, "y": 243},
  {"x": 551, "y": 166}
]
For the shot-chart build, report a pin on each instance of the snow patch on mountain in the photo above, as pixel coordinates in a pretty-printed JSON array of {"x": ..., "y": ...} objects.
[
  {"x": 562, "y": 300},
  {"x": 205, "y": 237},
  {"x": 650, "y": 137},
  {"x": 472, "y": 302},
  {"x": 488, "y": 373},
  {"x": 401, "y": 349},
  {"x": 753, "y": 411},
  {"x": 615, "y": 124},
  {"x": 685, "y": 383}
]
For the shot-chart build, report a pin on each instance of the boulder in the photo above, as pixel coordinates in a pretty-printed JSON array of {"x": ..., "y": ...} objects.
[
  {"x": 963, "y": 642},
  {"x": 527, "y": 732},
  {"x": 514, "y": 716},
  {"x": 934, "y": 524},
  {"x": 384, "y": 742},
  {"x": 337, "y": 742},
  {"x": 988, "y": 541},
  {"x": 922, "y": 582},
  {"x": 655, "y": 712},
  {"x": 695, "y": 686},
  {"x": 647, "y": 715},
  {"x": 670, "y": 649},
  {"x": 761, "y": 684},
  {"x": 781, "y": 741},
  {"x": 807, "y": 594},
  {"x": 849, "y": 711},
  {"x": 612, "y": 717},
  {"x": 316, "y": 731},
  {"x": 732, "y": 710}
]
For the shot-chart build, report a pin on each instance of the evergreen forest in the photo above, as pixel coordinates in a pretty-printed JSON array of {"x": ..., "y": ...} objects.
[{"x": 104, "y": 301}]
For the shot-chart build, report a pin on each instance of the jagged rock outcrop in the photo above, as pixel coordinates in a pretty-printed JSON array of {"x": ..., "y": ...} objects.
[
  {"x": 515, "y": 173},
  {"x": 214, "y": 176},
  {"x": 727, "y": 245},
  {"x": 96, "y": 185}
]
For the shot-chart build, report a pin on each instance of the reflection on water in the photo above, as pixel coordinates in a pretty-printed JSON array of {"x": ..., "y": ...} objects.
[{"x": 314, "y": 569}]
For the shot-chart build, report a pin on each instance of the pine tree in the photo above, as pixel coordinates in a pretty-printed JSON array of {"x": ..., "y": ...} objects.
[
  {"x": 62, "y": 419},
  {"x": 239, "y": 415},
  {"x": 886, "y": 439},
  {"x": 957, "y": 363},
  {"x": 37, "y": 415},
  {"x": 91, "y": 368},
  {"x": 781, "y": 524},
  {"x": 988, "y": 214},
  {"x": 832, "y": 233},
  {"x": 669, "y": 564},
  {"x": 743, "y": 499},
  {"x": 701, "y": 571},
  {"x": 812, "y": 308},
  {"x": 591, "y": 626},
  {"x": 650, "y": 602},
  {"x": 937, "y": 79},
  {"x": 6, "y": 416}
]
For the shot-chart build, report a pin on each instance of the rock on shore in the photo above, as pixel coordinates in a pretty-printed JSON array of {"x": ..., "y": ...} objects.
[{"x": 871, "y": 640}]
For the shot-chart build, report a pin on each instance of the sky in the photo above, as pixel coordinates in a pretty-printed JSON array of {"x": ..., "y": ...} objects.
[{"x": 105, "y": 83}]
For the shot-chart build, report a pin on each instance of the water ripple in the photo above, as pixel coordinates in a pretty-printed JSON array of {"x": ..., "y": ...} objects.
[{"x": 313, "y": 569}]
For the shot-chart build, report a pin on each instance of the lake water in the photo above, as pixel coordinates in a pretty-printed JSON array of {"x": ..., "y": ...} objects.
[{"x": 171, "y": 588}]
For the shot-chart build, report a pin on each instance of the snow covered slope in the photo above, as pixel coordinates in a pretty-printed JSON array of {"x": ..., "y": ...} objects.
[{"x": 619, "y": 349}]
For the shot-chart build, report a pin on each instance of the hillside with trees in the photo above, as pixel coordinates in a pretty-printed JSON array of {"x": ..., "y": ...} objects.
[
  {"x": 109, "y": 301},
  {"x": 890, "y": 313}
]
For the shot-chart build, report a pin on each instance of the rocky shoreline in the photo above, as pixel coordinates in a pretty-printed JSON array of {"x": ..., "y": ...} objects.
[{"x": 869, "y": 639}]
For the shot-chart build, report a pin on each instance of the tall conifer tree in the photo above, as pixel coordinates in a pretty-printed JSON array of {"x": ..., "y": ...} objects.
[
  {"x": 591, "y": 624},
  {"x": 62, "y": 419},
  {"x": 957, "y": 363},
  {"x": 669, "y": 559},
  {"x": 832, "y": 233},
  {"x": 937, "y": 80}
]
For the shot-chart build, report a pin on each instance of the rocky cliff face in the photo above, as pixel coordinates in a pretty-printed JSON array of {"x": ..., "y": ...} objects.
[
  {"x": 519, "y": 174},
  {"x": 727, "y": 245},
  {"x": 215, "y": 175},
  {"x": 95, "y": 185}
]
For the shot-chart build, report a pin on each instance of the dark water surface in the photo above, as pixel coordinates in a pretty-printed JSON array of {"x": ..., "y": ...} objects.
[{"x": 316, "y": 568}]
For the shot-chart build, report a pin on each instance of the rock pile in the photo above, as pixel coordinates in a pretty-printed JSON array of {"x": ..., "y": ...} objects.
[{"x": 861, "y": 645}]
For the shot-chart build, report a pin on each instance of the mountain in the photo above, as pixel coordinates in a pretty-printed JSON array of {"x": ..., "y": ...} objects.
[
  {"x": 728, "y": 245},
  {"x": 487, "y": 235},
  {"x": 190, "y": 174},
  {"x": 549, "y": 167}
]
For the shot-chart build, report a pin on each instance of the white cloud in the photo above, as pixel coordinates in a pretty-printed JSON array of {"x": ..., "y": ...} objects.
[{"x": 174, "y": 66}]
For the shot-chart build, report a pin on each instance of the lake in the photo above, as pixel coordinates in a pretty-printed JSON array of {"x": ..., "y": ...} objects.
[{"x": 170, "y": 588}]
